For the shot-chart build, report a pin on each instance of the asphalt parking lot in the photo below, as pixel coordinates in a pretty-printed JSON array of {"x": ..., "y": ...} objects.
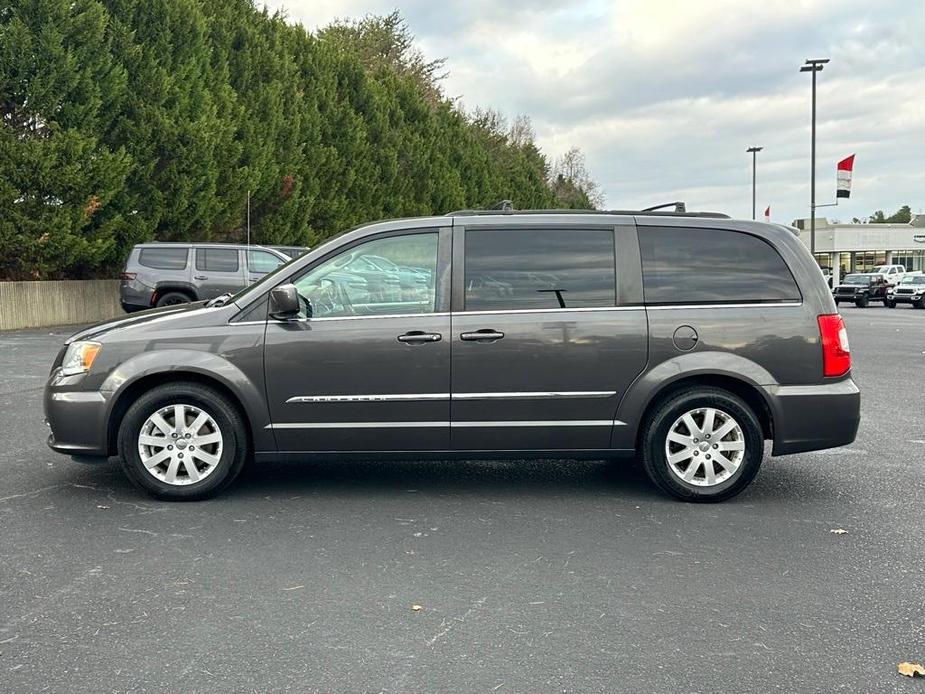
[{"x": 531, "y": 576}]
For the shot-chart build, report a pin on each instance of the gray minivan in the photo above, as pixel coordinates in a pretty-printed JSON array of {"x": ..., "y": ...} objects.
[
  {"x": 685, "y": 339},
  {"x": 165, "y": 274}
]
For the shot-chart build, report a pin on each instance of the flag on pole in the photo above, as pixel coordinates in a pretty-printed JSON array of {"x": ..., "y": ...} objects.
[
  {"x": 767, "y": 214},
  {"x": 843, "y": 177}
]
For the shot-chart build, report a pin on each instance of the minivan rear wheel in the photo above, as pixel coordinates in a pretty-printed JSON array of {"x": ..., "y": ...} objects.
[
  {"x": 182, "y": 441},
  {"x": 702, "y": 444}
]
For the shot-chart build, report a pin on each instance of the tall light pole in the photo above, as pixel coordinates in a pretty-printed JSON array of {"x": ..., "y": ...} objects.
[
  {"x": 754, "y": 152},
  {"x": 813, "y": 66}
]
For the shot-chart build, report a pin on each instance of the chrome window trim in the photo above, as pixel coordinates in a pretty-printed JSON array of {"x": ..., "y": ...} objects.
[
  {"x": 587, "y": 309},
  {"x": 465, "y": 424},
  {"x": 780, "y": 304}
]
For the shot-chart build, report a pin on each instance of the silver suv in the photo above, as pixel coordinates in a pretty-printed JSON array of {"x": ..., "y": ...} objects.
[
  {"x": 685, "y": 339},
  {"x": 166, "y": 274}
]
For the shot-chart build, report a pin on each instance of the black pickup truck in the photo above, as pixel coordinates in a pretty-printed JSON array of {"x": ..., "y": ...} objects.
[{"x": 861, "y": 289}]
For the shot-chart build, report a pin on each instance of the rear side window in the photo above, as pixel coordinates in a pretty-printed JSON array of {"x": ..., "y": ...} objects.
[
  {"x": 262, "y": 262},
  {"x": 217, "y": 259},
  {"x": 539, "y": 269},
  {"x": 163, "y": 258},
  {"x": 712, "y": 266}
]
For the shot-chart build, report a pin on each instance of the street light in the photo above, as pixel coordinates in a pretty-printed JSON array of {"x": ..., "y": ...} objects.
[
  {"x": 754, "y": 152},
  {"x": 813, "y": 66}
]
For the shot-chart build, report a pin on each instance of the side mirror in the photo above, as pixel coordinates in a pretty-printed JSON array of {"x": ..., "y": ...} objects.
[{"x": 284, "y": 302}]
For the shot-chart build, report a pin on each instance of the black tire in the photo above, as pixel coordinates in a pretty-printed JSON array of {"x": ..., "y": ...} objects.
[
  {"x": 173, "y": 299},
  {"x": 889, "y": 304},
  {"x": 862, "y": 302},
  {"x": 916, "y": 304},
  {"x": 235, "y": 447},
  {"x": 663, "y": 416}
]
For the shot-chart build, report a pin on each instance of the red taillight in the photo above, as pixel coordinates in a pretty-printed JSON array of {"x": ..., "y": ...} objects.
[
  {"x": 836, "y": 357},
  {"x": 127, "y": 275}
]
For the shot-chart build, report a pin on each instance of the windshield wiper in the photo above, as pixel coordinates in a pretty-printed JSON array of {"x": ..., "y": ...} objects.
[{"x": 220, "y": 300}]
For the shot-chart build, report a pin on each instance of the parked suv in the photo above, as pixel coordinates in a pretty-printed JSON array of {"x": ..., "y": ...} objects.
[
  {"x": 166, "y": 274},
  {"x": 687, "y": 339},
  {"x": 911, "y": 290},
  {"x": 861, "y": 289}
]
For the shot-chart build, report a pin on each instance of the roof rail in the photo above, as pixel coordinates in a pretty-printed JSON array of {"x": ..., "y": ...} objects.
[{"x": 680, "y": 210}]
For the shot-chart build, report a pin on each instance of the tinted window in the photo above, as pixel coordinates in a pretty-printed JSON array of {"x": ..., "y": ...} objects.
[
  {"x": 539, "y": 269},
  {"x": 692, "y": 266},
  {"x": 393, "y": 275},
  {"x": 163, "y": 258},
  {"x": 261, "y": 261},
  {"x": 217, "y": 259}
]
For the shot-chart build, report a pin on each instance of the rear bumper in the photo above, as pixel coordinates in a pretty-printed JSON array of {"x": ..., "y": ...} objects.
[{"x": 812, "y": 418}]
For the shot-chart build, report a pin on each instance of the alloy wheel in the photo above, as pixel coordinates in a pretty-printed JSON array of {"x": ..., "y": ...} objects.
[
  {"x": 180, "y": 444},
  {"x": 705, "y": 447}
]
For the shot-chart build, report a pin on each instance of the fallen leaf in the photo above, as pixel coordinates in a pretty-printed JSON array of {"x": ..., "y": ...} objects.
[
  {"x": 839, "y": 531},
  {"x": 416, "y": 608},
  {"x": 911, "y": 669},
  {"x": 102, "y": 507},
  {"x": 293, "y": 588}
]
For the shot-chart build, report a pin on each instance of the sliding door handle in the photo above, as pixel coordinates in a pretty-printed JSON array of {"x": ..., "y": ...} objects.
[
  {"x": 418, "y": 336},
  {"x": 484, "y": 335}
]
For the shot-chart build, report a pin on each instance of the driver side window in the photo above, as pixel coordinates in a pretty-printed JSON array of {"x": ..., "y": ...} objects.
[{"x": 387, "y": 276}]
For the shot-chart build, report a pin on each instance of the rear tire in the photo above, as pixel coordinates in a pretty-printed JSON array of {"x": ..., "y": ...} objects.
[
  {"x": 890, "y": 304},
  {"x": 173, "y": 299},
  {"x": 862, "y": 302},
  {"x": 679, "y": 466},
  {"x": 192, "y": 460}
]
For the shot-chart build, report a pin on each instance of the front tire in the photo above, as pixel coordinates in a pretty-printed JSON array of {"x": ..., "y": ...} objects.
[
  {"x": 862, "y": 302},
  {"x": 183, "y": 442},
  {"x": 702, "y": 445},
  {"x": 890, "y": 304}
]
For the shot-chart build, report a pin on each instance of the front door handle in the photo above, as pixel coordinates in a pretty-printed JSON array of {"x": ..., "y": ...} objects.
[
  {"x": 484, "y": 335},
  {"x": 418, "y": 336}
]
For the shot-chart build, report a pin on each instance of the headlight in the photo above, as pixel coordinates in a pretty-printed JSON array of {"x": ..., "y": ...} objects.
[{"x": 79, "y": 357}]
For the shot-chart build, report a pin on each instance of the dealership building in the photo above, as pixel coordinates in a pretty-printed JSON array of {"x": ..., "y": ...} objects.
[{"x": 859, "y": 247}]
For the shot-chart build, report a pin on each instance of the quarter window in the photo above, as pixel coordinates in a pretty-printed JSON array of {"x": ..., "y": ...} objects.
[
  {"x": 388, "y": 276},
  {"x": 712, "y": 266},
  {"x": 539, "y": 269},
  {"x": 163, "y": 258},
  {"x": 217, "y": 259},
  {"x": 261, "y": 262}
]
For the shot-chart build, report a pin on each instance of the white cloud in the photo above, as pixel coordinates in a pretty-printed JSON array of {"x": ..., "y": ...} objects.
[{"x": 664, "y": 96}]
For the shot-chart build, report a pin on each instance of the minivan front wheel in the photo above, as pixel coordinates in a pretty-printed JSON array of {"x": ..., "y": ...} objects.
[
  {"x": 182, "y": 441},
  {"x": 702, "y": 444}
]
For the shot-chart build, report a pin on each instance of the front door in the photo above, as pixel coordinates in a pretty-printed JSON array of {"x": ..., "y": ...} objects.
[
  {"x": 543, "y": 348},
  {"x": 369, "y": 370}
]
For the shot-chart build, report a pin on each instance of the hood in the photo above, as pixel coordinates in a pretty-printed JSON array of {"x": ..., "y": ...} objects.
[{"x": 165, "y": 313}]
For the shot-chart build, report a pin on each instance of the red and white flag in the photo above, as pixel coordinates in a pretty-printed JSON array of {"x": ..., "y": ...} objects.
[
  {"x": 843, "y": 177},
  {"x": 767, "y": 214}
]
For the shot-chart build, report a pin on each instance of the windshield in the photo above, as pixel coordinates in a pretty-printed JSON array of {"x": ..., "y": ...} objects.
[
  {"x": 915, "y": 279},
  {"x": 857, "y": 279}
]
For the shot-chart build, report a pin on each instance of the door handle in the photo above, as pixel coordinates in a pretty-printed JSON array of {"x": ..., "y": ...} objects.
[
  {"x": 484, "y": 335},
  {"x": 418, "y": 336},
  {"x": 200, "y": 277}
]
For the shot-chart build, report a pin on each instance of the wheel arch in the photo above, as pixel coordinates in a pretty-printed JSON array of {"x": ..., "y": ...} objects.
[
  {"x": 152, "y": 369},
  {"x": 735, "y": 374}
]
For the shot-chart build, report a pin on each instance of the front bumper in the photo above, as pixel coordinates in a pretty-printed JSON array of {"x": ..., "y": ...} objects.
[
  {"x": 78, "y": 420},
  {"x": 906, "y": 298},
  {"x": 812, "y": 418}
]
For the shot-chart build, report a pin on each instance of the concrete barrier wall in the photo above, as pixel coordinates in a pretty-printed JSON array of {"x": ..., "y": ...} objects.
[{"x": 64, "y": 302}]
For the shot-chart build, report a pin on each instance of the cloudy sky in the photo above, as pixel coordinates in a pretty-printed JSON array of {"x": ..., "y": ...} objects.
[{"x": 664, "y": 96}]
